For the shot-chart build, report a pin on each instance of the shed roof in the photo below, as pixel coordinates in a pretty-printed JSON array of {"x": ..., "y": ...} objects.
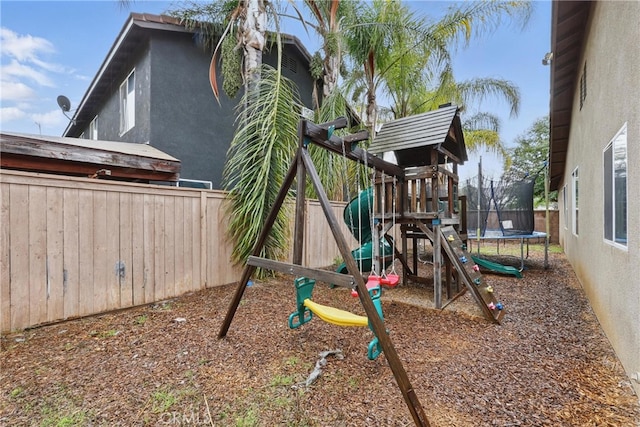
[
  {"x": 407, "y": 137},
  {"x": 85, "y": 157}
]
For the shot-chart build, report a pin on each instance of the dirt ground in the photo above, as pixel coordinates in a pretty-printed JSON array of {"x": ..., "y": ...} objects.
[{"x": 547, "y": 364}]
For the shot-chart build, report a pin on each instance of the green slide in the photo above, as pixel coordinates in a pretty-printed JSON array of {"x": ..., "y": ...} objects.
[
  {"x": 498, "y": 268},
  {"x": 357, "y": 216}
]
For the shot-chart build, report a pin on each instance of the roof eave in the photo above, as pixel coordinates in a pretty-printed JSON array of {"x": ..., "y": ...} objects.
[{"x": 568, "y": 26}]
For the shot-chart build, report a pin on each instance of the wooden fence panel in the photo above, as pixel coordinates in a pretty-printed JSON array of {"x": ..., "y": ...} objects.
[
  {"x": 85, "y": 254},
  {"x": 5, "y": 261},
  {"x": 113, "y": 261},
  {"x": 37, "y": 237},
  {"x": 101, "y": 267},
  {"x": 73, "y": 247},
  {"x": 55, "y": 251},
  {"x": 19, "y": 260},
  {"x": 125, "y": 259},
  {"x": 71, "y": 252},
  {"x": 149, "y": 243},
  {"x": 137, "y": 270}
]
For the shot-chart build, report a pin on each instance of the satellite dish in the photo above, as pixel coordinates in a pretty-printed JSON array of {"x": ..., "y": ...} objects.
[
  {"x": 65, "y": 106},
  {"x": 64, "y": 103}
]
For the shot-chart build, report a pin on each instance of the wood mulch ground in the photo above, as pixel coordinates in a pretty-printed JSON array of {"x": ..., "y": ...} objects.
[{"x": 547, "y": 364}]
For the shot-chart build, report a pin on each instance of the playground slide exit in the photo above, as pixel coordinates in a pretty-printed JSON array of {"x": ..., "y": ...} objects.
[{"x": 357, "y": 216}]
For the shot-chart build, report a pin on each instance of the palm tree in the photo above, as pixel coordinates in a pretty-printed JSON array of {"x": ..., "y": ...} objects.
[
  {"x": 408, "y": 58},
  {"x": 228, "y": 25},
  {"x": 267, "y": 117}
]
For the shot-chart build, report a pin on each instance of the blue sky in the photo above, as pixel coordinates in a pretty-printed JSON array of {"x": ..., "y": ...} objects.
[{"x": 51, "y": 48}]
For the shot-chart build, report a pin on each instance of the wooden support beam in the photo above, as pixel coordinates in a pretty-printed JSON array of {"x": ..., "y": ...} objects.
[
  {"x": 319, "y": 136},
  {"x": 331, "y": 277},
  {"x": 466, "y": 278},
  {"x": 377, "y": 324},
  {"x": 249, "y": 269},
  {"x": 300, "y": 214}
]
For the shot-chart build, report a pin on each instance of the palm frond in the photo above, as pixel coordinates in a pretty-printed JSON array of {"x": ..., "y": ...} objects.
[{"x": 258, "y": 158}]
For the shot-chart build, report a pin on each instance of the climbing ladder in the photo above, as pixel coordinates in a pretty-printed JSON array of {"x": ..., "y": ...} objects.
[{"x": 469, "y": 274}]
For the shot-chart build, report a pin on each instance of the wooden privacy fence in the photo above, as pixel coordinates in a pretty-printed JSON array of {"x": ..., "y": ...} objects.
[{"x": 72, "y": 247}]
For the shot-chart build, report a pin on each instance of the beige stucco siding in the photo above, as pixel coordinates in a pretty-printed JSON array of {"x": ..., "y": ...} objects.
[{"x": 609, "y": 274}]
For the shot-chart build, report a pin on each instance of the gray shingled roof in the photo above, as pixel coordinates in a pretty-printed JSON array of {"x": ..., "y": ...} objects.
[{"x": 439, "y": 128}]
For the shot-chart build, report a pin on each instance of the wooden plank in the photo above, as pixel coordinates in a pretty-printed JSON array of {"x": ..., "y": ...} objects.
[
  {"x": 159, "y": 249},
  {"x": 126, "y": 250},
  {"x": 480, "y": 291},
  {"x": 38, "y": 290},
  {"x": 55, "y": 250},
  {"x": 301, "y": 214},
  {"x": 318, "y": 136},
  {"x": 71, "y": 252},
  {"x": 149, "y": 256},
  {"x": 114, "y": 264},
  {"x": 72, "y": 151},
  {"x": 102, "y": 265},
  {"x": 136, "y": 271},
  {"x": 204, "y": 255},
  {"x": 437, "y": 267},
  {"x": 47, "y": 164},
  {"x": 20, "y": 264},
  {"x": 86, "y": 254},
  {"x": 5, "y": 258},
  {"x": 187, "y": 241},
  {"x": 215, "y": 252},
  {"x": 414, "y": 195},
  {"x": 179, "y": 284},
  {"x": 326, "y": 276},
  {"x": 170, "y": 232}
]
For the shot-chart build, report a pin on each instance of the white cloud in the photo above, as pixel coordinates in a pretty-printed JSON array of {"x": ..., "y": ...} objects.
[
  {"x": 8, "y": 114},
  {"x": 16, "y": 91},
  {"x": 51, "y": 118},
  {"x": 24, "y": 48},
  {"x": 18, "y": 70}
]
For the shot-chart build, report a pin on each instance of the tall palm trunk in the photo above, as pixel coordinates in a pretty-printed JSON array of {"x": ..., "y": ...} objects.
[{"x": 253, "y": 27}]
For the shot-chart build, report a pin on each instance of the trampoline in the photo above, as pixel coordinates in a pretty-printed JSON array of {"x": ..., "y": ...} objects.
[
  {"x": 498, "y": 236},
  {"x": 501, "y": 211}
]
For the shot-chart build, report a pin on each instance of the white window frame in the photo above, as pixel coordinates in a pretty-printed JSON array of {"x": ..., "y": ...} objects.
[
  {"x": 617, "y": 159},
  {"x": 575, "y": 193},
  {"x": 93, "y": 128},
  {"x": 127, "y": 100}
]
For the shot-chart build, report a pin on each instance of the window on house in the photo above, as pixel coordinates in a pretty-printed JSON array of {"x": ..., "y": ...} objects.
[
  {"x": 93, "y": 128},
  {"x": 128, "y": 103},
  {"x": 574, "y": 219},
  {"x": 615, "y": 188},
  {"x": 583, "y": 85}
]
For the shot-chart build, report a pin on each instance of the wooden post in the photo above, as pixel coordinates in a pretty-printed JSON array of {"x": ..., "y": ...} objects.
[
  {"x": 377, "y": 324},
  {"x": 300, "y": 214},
  {"x": 437, "y": 264}
]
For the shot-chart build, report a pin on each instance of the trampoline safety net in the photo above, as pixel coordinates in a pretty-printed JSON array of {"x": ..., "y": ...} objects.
[{"x": 503, "y": 206}]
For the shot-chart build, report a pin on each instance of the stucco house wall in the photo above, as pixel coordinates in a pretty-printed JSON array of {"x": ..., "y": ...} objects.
[
  {"x": 175, "y": 109},
  {"x": 609, "y": 274}
]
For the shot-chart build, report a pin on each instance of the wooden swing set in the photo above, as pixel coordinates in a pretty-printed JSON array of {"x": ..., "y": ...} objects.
[
  {"x": 421, "y": 197},
  {"x": 301, "y": 167}
]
